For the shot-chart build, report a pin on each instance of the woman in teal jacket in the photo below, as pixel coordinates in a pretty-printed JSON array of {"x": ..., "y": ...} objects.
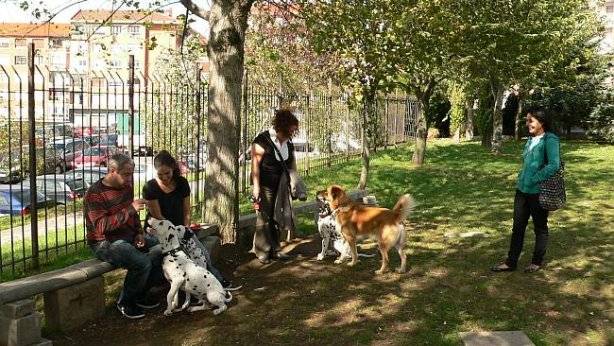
[{"x": 540, "y": 160}]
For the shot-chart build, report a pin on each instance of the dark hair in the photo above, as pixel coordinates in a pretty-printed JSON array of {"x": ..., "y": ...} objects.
[
  {"x": 542, "y": 117},
  {"x": 283, "y": 120},
  {"x": 117, "y": 161},
  {"x": 164, "y": 158}
]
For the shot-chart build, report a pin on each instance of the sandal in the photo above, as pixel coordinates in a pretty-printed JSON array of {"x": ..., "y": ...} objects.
[
  {"x": 502, "y": 267},
  {"x": 532, "y": 268}
]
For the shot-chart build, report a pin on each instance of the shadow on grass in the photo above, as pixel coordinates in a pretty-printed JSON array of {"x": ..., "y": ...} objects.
[{"x": 460, "y": 228}]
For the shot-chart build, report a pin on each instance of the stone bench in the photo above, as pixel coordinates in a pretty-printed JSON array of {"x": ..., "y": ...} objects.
[{"x": 71, "y": 295}]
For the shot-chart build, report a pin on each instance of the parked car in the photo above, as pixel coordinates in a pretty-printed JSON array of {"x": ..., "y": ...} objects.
[
  {"x": 68, "y": 150},
  {"x": 61, "y": 188},
  {"x": 17, "y": 169},
  {"x": 106, "y": 139},
  {"x": 82, "y": 131},
  {"x": 16, "y": 201},
  {"x": 10, "y": 173},
  {"x": 94, "y": 156},
  {"x": 90, "y": 175}
]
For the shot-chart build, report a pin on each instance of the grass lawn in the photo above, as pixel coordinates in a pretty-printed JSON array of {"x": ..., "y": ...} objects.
[{"x": 460, "y": 229}]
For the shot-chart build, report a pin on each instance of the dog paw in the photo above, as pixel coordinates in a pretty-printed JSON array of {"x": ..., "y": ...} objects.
[
  {"x": 320, "y": 257},
  {"x": 352, "y": 263},
  {"x": 381, "y": 271},
  {"x": 401, "y": 270},
  {"x": 168, "y": 312}
]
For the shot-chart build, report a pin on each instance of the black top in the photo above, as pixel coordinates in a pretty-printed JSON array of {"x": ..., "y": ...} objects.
[
  {"x": 270, "y": 168},
  {"x": 171, "y": 204}
]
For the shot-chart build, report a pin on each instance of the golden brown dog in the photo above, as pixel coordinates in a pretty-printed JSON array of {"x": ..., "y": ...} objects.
[{"x": 356, "y": 219}]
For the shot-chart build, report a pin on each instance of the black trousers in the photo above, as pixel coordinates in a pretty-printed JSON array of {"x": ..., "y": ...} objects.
[
  {"x": 266, "y": 235},
  {"x": 525, "y": 206}
]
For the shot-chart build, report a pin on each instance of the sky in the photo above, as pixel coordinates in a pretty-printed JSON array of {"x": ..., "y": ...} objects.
[{"x": 11, "y": 13}]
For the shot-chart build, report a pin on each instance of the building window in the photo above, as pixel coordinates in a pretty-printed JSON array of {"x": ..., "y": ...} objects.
[
  {"x": 134, "y": 29},
  {"x": 4, "y": 43},
  {"x": 115, "y": 64},
  {"x": 21, "y": 60},
  {"x": 20, "y": 42},
  {"x": 55, "y": 43},
  {"x": 116, "y": 29}
]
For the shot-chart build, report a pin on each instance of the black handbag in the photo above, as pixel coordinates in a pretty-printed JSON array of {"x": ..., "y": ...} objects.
[{"x": 552, "y": 190}]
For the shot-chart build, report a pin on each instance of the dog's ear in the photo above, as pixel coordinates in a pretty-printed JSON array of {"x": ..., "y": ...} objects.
[{"x": 335, "y": 192}]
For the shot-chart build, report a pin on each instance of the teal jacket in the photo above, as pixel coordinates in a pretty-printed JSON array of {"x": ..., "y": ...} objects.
[{"x": 534, "y": 167}]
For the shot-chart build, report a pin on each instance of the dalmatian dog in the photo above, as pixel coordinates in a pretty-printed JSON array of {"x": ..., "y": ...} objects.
[
  {"x": 188, "y": 242},
  {"x": 331, "y": 234},
  {"x": 185, "y": 274}
]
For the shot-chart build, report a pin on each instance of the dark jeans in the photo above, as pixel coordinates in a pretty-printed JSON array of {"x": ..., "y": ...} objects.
[
  {"x": 144, "y": 268},
  {"x": 266, "y": 235},
  {"x": 525, "y": 206}
]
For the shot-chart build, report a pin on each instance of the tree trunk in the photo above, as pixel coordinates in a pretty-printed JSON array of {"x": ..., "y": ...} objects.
[
  {"x": 518, "y": 122},
  {"x": 456, "y": 136},
  {"x": 497, "y": 120},
  {"x": 421, "y": 133},
  {"x": 367, "y": 114},
  {"x": 469, "y": 123},
  {"x": 228, "y": 22}
]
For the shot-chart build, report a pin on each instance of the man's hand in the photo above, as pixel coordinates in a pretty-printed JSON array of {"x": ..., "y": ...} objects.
[
  {"x": 139, "y": 204},
  {"x": 139, "y": 241}
]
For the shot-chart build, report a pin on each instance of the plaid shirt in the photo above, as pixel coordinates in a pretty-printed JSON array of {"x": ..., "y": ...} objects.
[{"x": 109, "y": 214}]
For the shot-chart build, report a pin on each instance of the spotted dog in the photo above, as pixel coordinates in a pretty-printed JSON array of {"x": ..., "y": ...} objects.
[
  {"x": 330, "y": 233},
  {"x": 185, "y": 274},
  {"x": 188, "y": 242}
]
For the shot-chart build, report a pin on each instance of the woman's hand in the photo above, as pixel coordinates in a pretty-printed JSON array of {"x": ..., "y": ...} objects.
[{"x": 255, "y": 198}]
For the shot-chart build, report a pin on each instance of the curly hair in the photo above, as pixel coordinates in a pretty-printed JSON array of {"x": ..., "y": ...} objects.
[{"x": 283, "y": 120}]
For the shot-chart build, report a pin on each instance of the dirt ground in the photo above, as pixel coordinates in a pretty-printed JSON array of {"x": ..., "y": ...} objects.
[{"x": 269, "y": 309}]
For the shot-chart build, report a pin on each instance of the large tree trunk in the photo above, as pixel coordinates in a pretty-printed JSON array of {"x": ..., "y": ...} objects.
[
  {"x": 228, "y": 22},
  {"x": 518, "y": 120},
  {"x": 497, "y": 120},
  {"x": 367, "y": 116},
  {"x": 469, "y": 123}
]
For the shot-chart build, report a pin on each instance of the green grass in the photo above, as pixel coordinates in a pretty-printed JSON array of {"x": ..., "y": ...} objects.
[{"x": 460, "y": 228}]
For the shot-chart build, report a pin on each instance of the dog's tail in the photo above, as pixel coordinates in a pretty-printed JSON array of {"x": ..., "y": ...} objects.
[
  {"x": 227, "y": 297},
  {"x": 404, "y": 206}
]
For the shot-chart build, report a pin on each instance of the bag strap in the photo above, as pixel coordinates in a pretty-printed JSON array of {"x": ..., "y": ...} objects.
[{"x": 283, "y": 162}]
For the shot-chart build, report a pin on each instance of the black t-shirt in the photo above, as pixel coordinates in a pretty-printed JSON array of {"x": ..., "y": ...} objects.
[
  {"x": 171, "y": 204},
  {"x": 270, "y": 168}
]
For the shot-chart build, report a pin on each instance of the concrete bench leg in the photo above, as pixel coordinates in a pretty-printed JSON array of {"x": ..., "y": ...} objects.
[
  {"x": 20, "y": 325},
  {"x": 70, "y": 307}
]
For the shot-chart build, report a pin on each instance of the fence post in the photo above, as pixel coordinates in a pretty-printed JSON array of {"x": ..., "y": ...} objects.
[
  {"x": 131, "y": 104},
  {"x": 386, "y": 125},
  {"x": 32, "y": 158},
  {"x": 244, "y": 139},
  {"x": 198, "y": 148}
]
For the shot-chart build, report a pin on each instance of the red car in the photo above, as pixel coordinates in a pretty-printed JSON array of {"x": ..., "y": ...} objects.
[{"x": 94, "y": 156}]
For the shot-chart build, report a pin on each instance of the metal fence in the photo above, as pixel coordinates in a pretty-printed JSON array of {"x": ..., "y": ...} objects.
[{"x": 63, "y": 126}]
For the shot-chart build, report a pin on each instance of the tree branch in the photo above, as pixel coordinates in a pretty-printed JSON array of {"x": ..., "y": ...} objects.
[{"x": 197, "y": 10}]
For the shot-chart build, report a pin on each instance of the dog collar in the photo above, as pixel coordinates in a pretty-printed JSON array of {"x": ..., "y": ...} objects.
[
  {"x": 173, "y": 251},
  {"x": 340, "y": 209}
]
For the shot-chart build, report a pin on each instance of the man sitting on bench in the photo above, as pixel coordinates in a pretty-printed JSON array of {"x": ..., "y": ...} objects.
[{"x": 115, "y": 235}]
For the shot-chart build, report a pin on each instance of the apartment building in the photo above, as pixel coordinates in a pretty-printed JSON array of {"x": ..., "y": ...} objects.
[{"x": 95, "y": 48}]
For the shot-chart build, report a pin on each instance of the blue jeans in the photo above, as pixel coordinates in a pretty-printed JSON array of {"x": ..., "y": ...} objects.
[{"x": 144, "y": 268}]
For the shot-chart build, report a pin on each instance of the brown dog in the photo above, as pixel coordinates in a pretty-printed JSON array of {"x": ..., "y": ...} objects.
[{"x": 356, "y": 219}]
